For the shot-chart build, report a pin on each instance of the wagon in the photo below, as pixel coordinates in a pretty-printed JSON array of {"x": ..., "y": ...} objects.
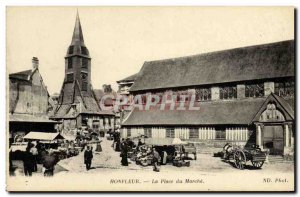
[{"x": 240, "y": 156}]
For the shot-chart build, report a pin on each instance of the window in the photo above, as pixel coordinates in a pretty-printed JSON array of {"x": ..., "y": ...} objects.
[
  {"x": 194, "y": 133},
  {"x": 254, "y": 90},
  {"x": 85, "y": 63},
  {"x": 70, "y": 63},
  {"x": 203, "y": 94},
  {"x": 71, "y": 50},
  {"x": 228, "y": 92},
  {"x": 70, "y": 77},
  {"x": 220, "y": 134},
  {"x": 84, "y": 86},
  {"x": 128, "y": 132},
  {"x": 170, "y": 132},
  {"x": 84, "y": 50},
  {"x": 148, "y": 132},
  {"x": 285, "y": 88}
]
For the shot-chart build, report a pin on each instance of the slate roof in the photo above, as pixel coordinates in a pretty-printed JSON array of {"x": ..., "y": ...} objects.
[
  {"x": 129, "y": 78},
  {"x": 23, "y": 75},
  {"x": 221, "y": 112},
  {"x": 240, "y": 64},
  {"x": 30, "y": 118}
]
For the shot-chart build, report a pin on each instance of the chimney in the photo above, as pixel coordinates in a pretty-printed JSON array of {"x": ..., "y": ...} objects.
[
  {"x": 107, "y": 88},
  {"x": 35, "y": 63}
]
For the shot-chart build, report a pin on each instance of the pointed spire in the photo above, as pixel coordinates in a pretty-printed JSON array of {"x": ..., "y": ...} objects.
[{"x": 77, "y": 38}]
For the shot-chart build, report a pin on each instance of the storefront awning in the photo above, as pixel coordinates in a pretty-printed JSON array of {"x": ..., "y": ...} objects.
[{"x": 43, "y": 136}]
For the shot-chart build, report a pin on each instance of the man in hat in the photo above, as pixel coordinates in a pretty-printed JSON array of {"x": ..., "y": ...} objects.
[
  {"x": 88, "y": 156},
  {"x": 156, "y": 159},
  {"x": 49, "y": 163}
]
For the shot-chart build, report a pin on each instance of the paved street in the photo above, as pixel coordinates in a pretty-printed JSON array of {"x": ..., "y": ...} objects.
[{"x": 108, "y": 159}]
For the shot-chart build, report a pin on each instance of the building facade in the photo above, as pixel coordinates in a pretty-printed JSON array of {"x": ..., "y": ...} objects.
[
  {"x": 76, "y": 105},
  {"x": 245, "y": 97},
  {"x": 29, "y": 103}
]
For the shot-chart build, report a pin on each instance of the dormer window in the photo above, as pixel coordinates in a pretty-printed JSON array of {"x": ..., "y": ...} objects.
[
  {"x": 285, "y": 88},
  {"x": 228, "y": 92},
  {"x": 254, "y": 90}
]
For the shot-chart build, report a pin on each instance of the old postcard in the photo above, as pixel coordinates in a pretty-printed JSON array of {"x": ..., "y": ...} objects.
[{"x": 150, "y": 99}]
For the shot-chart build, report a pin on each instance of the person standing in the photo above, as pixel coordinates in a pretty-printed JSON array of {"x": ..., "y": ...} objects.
[
  {"x": 88, "y": 156},
  {"x": 164, "y": 157},
  {"x": 156, "y": 159},
  {"x": 124, "y": 153},
  {"x": 34, "y": 152},
  {"x": 49, "y": 163},
  {"x": 28, "y": 160}
]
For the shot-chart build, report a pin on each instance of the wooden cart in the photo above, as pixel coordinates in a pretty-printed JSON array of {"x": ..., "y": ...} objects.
[{"x": 240, "y": 156}]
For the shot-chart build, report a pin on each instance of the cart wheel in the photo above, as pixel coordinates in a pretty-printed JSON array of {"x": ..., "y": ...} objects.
[
  {"x": 239, "y": 159},
  {"x": 257, "y": 164}
]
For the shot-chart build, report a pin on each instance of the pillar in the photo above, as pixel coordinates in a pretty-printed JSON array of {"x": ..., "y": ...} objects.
[
  {"x": 101, "y": 123},
  {"x": 258, "y": 135},
  {"x": 287, "y": 136}
]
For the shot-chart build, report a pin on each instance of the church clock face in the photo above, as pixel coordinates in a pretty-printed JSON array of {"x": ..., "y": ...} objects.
[{"x": 84, "y": 76}]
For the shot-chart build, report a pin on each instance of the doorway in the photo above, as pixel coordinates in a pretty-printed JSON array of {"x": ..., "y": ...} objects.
[{"x": 273, "y": 139}]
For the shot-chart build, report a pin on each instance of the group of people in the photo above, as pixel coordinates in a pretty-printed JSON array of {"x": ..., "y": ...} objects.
[
  {"x": 127, "y": 145},
  {"x": 36, "y": 153}
]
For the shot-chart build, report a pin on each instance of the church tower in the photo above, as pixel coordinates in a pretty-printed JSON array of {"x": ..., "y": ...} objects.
[
  {"x": 78, "y": 61},
  {"x": 77, "y": 105}
]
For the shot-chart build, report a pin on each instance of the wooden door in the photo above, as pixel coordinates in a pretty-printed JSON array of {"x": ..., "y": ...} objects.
[{"x": 273, "y": 139}]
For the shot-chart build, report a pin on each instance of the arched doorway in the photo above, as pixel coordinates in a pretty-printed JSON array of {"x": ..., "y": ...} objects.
[{"x": 273, "y": 129}]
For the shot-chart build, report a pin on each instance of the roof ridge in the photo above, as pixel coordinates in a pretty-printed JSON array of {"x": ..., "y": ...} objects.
[{"x": 219, "y": 51}]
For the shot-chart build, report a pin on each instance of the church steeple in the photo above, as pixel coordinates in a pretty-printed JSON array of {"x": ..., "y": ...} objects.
[
  {"x": 77, "y": 38},
  {"x": 78, "y": 61},
  {"x": 77, "y": 46}
]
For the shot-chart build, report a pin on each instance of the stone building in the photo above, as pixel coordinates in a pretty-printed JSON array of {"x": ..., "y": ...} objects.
[
  {"x": 29, "y": 102},
  {"x": 125, "y": 84},
  {"x": 245, "y": 95},
  {"x": 76, "y": 104}
]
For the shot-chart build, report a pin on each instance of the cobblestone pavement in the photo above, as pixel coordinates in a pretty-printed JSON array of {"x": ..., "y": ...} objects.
[{"x": 108, "y": 159}]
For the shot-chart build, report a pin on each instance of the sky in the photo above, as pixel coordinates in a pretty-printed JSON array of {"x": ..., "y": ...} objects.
[{"x": 121, "y": 39}]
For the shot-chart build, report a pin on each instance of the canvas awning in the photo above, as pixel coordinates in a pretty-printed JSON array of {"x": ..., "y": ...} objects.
[
  {"x": 43, "y": 136},
  {"x": 163, "y": 141}
]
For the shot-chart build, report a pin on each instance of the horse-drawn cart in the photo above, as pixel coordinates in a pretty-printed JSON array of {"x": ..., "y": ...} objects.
[{"x": 241, "y": 156}]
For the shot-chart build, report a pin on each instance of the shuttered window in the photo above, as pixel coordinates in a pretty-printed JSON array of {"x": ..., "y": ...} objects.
[{"x": 70, "y": 63}]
